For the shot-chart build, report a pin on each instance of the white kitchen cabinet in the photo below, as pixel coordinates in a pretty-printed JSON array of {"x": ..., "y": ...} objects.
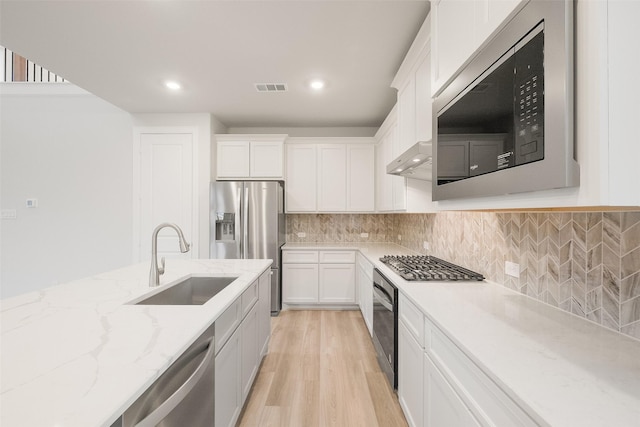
[
  {"x": 336, "y": 283},
  {"x": 264, "y": 312},
  {"x": 228, "y": 393},
  {"x": 299, "y": 283},
  {"x": 325, "y": 277},
  {"x": 233, "y": 159},
  {"x": 360, "y": 178},
  {"x": 459, "y": 30},
  {"x": 250, "y": 352},
  {"x": 364, "y": 284},
  {"x": 410, "y": 376},
  {"x": 442, "y": 406},
  {"x": 407, "y": 115},
  {"x": 302, "y": 177},
  {"x": 332, "y": 176},
  {"x": 392, "y": 190},
  {"x": 239, "y": 349},
  {"x": 250, "y": 156}
]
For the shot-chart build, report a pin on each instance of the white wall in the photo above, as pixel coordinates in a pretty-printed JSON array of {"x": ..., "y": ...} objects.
[
  {"x": 71, "y": 151},
  {"x": 203, "y": 123}
]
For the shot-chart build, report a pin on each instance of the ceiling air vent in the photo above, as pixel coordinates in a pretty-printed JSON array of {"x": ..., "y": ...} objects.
[{"x": 271, "y": 87}]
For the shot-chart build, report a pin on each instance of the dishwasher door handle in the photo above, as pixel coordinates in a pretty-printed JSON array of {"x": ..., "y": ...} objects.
[{"x": 161, "y": 412}]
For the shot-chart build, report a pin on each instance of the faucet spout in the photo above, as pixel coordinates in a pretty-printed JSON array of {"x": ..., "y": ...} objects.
[{"x": 157, "y": 271}]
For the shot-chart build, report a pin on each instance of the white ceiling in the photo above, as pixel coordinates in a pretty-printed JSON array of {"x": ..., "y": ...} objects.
[{"x": 123, "y": 51}]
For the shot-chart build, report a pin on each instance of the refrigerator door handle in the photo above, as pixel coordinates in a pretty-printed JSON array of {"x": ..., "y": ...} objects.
[
  {"x": 245, "y": 224},
  {"x": 239, "y": 220}
]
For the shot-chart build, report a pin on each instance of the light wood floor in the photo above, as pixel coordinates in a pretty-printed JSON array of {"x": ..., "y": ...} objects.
[{"x": 321, "y": 370}]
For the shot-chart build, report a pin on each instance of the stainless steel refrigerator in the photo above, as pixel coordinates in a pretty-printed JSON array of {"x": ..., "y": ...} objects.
[{"x": 247, "y": 222}]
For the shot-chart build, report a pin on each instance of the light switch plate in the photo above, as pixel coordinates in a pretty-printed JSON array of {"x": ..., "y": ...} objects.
[
  {"x": 399, "y": 237},
  {"x": 365, "y": 235},
  {"x": 511, "y": 269}
]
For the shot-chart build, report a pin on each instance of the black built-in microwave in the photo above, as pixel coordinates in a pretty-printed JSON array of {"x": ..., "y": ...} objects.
[{"x": 505, "y": 123}]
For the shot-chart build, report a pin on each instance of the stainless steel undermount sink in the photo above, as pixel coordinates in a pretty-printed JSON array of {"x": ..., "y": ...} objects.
[{"x": 191, "y": 291}]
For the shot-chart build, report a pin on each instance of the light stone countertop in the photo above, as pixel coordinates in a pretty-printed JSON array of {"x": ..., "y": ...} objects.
[
  {"x": 563, "y": 370},
  {"x": 77, "y": 355}
]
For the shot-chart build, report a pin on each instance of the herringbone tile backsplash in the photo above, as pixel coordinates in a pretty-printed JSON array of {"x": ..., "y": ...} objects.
[{"x": 587, "y": 263}]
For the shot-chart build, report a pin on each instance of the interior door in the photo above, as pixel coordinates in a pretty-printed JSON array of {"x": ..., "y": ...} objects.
[{"x": 166, "y": 192}]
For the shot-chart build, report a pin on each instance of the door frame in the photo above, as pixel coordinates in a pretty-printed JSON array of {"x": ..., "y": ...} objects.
[{"x": 138, "y": 131}]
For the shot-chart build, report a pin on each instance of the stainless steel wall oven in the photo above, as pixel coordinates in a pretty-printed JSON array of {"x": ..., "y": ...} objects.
[{"x": 385, "y": 326}]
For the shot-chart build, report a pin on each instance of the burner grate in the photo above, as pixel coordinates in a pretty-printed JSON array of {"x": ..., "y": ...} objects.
[{"x": 428, "y": 268}]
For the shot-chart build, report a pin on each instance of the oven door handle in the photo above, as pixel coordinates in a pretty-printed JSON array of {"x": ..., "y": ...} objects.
[{"x": 386, "y": 302}]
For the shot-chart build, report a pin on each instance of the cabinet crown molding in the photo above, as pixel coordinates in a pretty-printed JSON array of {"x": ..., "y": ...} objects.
[
  {"x": 420, "y": 47},
  {"x": 250, "y": 137}
]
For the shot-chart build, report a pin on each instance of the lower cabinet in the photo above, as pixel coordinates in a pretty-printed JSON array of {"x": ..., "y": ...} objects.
[
  {"x": 318, "y": 277},
  {"x": 410, "y": 378},
  {"x": 442, "y": 406},
  {"x": 364, "y": 285},
  {"x": 242, "y": 335},
  {"x": 439, "y": 385},
  {"x": 227, "y": 383}
]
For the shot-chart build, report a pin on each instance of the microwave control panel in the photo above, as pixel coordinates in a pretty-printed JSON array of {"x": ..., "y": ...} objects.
[{"x": 529, "y": 101}]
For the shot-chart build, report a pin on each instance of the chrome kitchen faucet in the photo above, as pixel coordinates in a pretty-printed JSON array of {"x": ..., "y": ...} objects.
[{"x": 156, "y": 272}]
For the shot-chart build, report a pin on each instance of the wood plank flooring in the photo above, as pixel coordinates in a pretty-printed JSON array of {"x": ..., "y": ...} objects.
[{"x": 321, "y": 370}]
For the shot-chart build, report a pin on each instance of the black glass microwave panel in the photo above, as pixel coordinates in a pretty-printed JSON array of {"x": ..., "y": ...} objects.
[{"x": 499, "y": 122}]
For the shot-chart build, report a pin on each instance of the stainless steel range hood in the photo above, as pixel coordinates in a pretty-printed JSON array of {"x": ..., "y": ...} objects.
[{"x": 416, "y": 162}]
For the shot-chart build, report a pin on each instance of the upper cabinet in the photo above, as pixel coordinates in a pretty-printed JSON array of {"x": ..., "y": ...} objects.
[
  {"x": 391, "y": 194},
  {"x": 250, "y": 157},
  {"x": 459, "y": 29},
  {"x": 330, "y": 175},
  {"x": 413, "y": 82}
]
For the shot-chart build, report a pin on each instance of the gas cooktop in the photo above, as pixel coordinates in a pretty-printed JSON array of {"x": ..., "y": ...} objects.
[{"x": 427, "y": 268}]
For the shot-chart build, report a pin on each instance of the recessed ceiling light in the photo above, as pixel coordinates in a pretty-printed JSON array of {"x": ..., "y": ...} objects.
[
  {"x": 317, "y": 84},
  {"x": 172, "y": 85}
]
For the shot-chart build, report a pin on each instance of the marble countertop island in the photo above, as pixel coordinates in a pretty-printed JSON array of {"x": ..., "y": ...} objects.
[{"x": 77, "y": 354}]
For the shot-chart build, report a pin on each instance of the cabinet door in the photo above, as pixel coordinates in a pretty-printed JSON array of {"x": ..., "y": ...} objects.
[
  {"x": 442, "y": 406},
  {"x": 360, "y": 178},
  {"x": 227, "y": 383},
  {"x": 332, "y": 175},
  {"x": 453, "y": 38},
  {"x": 264, "y": 312},
  {"x": 410, "y": 377},
  {"x": 250, "y": 351},
  {"x": 301, "y": 178},
  {"x": 490, "y": 14},
  {"x": 337, "y": 283},
  {"x": 407, "y": 116},
  {"x": 266, "y": 160},
  {"x": 424, "y": 119},
  {"x": 384, "y": 185},
  {"x": 233, "y": 159},
  {"x": 300, "y": 283}
]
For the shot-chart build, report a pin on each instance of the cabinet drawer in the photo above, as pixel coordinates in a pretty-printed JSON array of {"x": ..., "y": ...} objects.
[
  {"x": 337, "y": 257},
  {"x": 299, "y": 257},
  {"x": 226, "y": 324},
  {"x": 413, "y": 319},
  {"x": 480, "y": 393},
  {"x": 249, "y": 298}
]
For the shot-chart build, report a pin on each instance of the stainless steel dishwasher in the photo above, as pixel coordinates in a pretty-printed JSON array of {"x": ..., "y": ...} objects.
[{"x": 184, "y": 393}]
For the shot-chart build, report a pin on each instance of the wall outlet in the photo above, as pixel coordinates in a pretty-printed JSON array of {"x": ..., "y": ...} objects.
[
  {"x": 302, "y": 234},
  {"x": 511, "y": 269},
  {"x": 399, "y": 237},
  {"x": 425, "y": 245},
  {"x": 365, "y": 235},
  {"x": 9, "y": 214},
  {"x": 32, "y": 203}
]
